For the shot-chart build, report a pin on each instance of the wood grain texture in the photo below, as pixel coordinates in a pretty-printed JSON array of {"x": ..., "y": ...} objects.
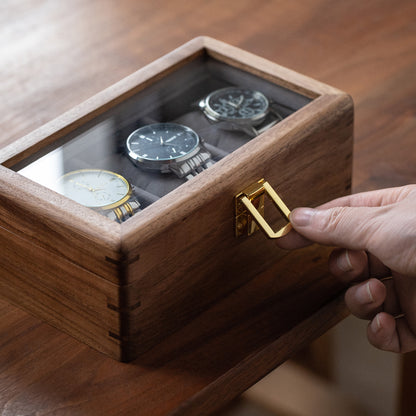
[
  {"x": 66, "y": 296},
  {"x": 191, "y": 224},
  {"x": 100, "y": 103},
  {"x": 56, "y": 55},
  {"x": 161, "y": 268},
  {"x": 194, "y": 361},
  {"x": 58, "y": 224}
]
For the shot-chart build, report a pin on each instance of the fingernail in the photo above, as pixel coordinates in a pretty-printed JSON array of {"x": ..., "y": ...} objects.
[
  {"x": 344, "y": 262},
  {"x": 370, "y": 295},
  {"x": 375, "y": 324},
  {"x": 302, "y": 216},
  {"x": 363, "y": 294}
]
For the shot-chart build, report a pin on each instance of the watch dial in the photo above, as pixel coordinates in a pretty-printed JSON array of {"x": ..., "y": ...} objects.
[
  {"x": 162, "y": 142},
  {"x": 237, "y": 103},
  {"x": 95, "y": 188}
]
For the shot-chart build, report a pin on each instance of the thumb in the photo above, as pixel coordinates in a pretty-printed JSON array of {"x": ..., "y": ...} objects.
[{"x": 348, "y": 227}]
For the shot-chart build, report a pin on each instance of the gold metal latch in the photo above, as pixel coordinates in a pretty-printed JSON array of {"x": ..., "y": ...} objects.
[{"x": 249, "y": 211}]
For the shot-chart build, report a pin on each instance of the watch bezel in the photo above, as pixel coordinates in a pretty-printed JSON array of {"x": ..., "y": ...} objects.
[
  {"x": 111, "y": 206},
  {"x": 215, "y": 116}
]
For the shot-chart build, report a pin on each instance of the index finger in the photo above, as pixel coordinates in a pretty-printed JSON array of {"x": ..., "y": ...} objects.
[{"x": 382, "y": 197}]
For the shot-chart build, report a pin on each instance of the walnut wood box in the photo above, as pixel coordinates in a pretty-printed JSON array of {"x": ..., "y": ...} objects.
[{"x": 122, "y": 288}]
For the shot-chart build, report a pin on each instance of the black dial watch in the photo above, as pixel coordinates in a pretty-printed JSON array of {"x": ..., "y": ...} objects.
[
  {"x": 168, "y": 147},
  {"x": 243, "y": 108}
]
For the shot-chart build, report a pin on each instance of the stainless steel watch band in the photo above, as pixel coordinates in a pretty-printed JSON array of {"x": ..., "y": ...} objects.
[
  {"x": 272, "y": 118},
  {"x": 191, "y": 167},
  {"x": 124, "y": 211}
]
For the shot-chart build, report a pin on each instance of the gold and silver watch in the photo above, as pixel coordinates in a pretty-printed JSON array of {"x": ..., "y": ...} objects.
[
  {"x": 168, "y": 148},
  {"x": 240, "y": 108},
  {"x": 104, "y": 191}
]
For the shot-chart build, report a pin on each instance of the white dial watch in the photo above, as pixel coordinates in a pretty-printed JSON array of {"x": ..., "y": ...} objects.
[{"x": 101, "y": 190}]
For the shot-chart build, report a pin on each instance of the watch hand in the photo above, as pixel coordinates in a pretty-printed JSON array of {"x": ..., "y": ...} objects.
[
  {"x": 240, "y": 101},
  {"x": 88, "y": 187},
  {"x": 172, "y": 138},
  {"x": 227, "y": 101},
  {"x": 164, "y": 145},
  {"x": 82, "y": 185}
]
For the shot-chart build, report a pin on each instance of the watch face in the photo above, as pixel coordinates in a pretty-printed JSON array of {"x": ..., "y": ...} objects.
[
  {"x": 162, "y": 142},
  {"x": 237, "y": 104},
  {"x": 95, "y": 188}
]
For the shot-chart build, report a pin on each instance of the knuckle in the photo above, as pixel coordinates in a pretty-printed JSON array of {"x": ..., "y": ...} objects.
[
  {"x": 354, "y": 227},
  {"x": 331, "y": 222}
]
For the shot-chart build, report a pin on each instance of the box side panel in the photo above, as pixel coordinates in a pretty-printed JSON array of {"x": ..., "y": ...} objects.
[
  {"x": 190, "y": 258},
  {"x": 59, "y": 292},
  {"x": 59, "y": 225}
]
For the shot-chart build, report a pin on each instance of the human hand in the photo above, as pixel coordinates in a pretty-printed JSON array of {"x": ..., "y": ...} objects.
[{"x": 377, "y": 235}]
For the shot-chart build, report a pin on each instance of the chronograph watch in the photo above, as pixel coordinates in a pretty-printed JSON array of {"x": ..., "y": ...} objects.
[
  {"x": 168, "y": 148},
  {"x": 101, "y": 190},
  {"x": 241, "y": 108}
]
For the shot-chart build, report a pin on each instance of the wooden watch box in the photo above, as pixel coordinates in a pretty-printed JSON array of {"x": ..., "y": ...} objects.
[{"x": 122, "y": 288}]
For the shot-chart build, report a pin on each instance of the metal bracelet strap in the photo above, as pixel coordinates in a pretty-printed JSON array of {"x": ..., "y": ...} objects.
[
  {"x": 197, "y": 164},
  {"x": 125, "y": 211},
  {"x": 193, "y": 166},
  {"x": 258, "y": 130}
]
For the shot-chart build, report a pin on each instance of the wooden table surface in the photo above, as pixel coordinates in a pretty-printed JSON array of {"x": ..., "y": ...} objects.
[{"x": 55, "y": 54}]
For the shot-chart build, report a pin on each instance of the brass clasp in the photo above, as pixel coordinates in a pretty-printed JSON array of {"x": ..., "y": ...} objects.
[{"x": 249, "y": 210}]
